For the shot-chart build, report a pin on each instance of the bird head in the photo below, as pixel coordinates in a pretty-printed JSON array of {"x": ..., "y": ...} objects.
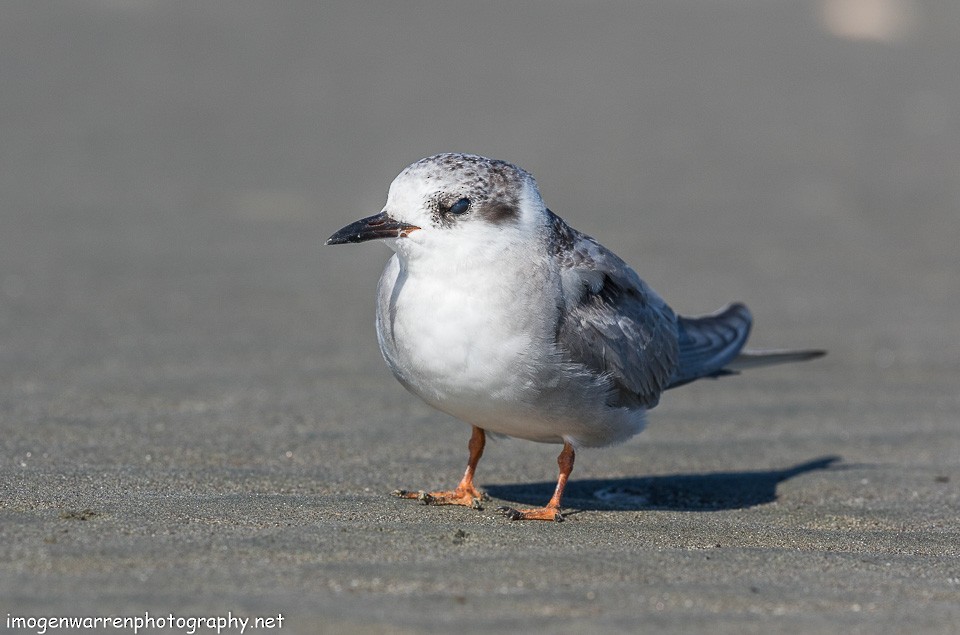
[{"x": 448, "y": 198}]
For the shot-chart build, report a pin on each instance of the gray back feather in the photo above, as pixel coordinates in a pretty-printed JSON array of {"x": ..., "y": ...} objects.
[{"x": 611, "y": 321}]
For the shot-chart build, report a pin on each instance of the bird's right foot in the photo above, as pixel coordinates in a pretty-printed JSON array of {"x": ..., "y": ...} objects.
[{"x": 467, "y": 497}]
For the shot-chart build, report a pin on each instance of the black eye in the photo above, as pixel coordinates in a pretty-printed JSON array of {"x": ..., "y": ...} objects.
[{"x": 460, "y": 206}]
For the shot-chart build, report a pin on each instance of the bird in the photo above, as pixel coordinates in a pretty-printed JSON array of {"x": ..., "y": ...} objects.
[{"x": 494, "y": 310}]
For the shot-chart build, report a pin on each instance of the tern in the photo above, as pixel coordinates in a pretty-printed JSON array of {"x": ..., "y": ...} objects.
[{"x": 494, "y": 310}]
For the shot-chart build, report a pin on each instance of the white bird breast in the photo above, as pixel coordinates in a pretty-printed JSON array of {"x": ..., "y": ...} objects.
[{"x": 460, "y": 333}]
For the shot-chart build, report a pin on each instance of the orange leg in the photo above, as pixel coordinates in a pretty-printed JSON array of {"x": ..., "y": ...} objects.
[
  {"x": 552, "y": 510},
  {"x": 466, "y": 493}
]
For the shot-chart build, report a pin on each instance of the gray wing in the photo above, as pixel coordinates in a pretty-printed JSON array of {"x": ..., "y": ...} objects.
[{"x": 611, "y": 321}]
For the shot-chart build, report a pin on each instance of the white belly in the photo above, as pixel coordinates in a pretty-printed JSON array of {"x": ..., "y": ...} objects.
[
  {"x": 484, "y": 351},
  {"x": 461, "y": 341}
]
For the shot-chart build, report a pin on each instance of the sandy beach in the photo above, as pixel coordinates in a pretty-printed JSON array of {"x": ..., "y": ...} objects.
[{"x": 195, "y": 420}]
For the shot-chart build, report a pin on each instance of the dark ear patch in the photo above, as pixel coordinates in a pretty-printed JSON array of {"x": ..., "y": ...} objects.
[{"x": 500, "y": 211}]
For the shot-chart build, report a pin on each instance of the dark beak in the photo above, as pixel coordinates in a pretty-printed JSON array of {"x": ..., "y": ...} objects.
[{"x": 379, "y": 226}]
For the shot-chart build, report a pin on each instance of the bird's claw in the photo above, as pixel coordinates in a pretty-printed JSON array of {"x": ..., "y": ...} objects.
[
  {"x": 424, "y": 498},
  {"x": 510, "y": 512}
]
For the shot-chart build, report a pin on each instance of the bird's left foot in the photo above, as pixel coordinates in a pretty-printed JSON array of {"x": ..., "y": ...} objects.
[
  {"x": 467, "y": 497},
  {"x": 541, "y": 513}
]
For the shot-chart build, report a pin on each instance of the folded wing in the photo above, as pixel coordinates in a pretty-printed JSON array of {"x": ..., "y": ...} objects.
[{"x": 612, "y": 322}]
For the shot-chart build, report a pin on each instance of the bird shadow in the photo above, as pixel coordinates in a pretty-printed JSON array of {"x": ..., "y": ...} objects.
[{"x": 713, "y": 491}]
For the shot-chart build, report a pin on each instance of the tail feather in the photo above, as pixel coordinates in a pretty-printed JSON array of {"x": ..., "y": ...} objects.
[
  {"x": 708, "y": 343},
  {"x": 712, "y": 346},
  {"x": 754, "y": 358}
]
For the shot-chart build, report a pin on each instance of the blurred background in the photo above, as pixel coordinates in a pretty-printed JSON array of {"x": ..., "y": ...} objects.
[
  {"x": 170, "y": 171},
  {"x": 186, "y": 366}
]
